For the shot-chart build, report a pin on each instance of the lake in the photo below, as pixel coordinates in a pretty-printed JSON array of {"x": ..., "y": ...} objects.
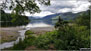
[
  {"x": 40, "y": 23},
  {"x": 31, "y": 24}
]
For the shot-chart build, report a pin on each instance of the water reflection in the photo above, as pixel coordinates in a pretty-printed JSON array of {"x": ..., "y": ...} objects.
[
  {"x": 32, "y": 23},
  {"x": 40, "y": 23},
  {"x": 10, "y": 24}
]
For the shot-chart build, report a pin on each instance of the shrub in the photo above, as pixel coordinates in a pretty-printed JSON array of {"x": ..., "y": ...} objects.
[
  {"x": 28, "y": 32},
  {"x": 73, "y": 38},
  {"x": 19, "y": 46},
  {"x": 43, "y": 41}
]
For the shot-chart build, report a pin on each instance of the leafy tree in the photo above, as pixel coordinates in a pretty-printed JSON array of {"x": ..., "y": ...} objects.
[
  {"x": 73, "y": 37},
  {"x": 84, "y": 19},
  {"x": 5, "y": 17},
  {"x": 61, "y": 24},
  {"x": 13, "y": 20},
  {"x": 20, "y": 6}
]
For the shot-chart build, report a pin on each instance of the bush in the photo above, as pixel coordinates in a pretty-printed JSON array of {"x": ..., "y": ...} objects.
[
  {"x": 19, "y": 46},
  {"x": 28, "y": 32},
  {"x": 29, "y": 40},
  {"x": 73, "y": 38},
  {"x": 43, "y": 41}
]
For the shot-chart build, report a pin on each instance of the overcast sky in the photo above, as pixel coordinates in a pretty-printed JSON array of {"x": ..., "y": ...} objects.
[{"x": 62, "y": 6}]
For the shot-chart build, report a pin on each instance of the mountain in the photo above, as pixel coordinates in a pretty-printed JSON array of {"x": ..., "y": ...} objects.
[
  {"x": 34, "y": 18},
  {"x": 64, "y": 16}
]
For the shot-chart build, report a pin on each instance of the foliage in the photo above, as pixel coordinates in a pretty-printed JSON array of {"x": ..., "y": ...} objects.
[
  {"x": 84, "y": 19},
  {"x": 28, "y": 32},
  {"x": 65, "y": 37},
  {"x": 73, "y": 38},
  {"x": 19, "y": 46},
  {"x": 44, "y": 41},
  {"x": 5, "y": 17},
  {"x": 13, "y": 19},
  {"x": 28, "y": 41},
  {"x": 61, "y": 24},
  {"x": 20, "y": 6}
]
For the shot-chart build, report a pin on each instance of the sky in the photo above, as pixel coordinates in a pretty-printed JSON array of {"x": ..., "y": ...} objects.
[{"x": 61, "y": 6}]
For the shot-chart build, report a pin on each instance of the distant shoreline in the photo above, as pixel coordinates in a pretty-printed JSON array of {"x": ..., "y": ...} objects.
[{"x": 42, "y": 30}]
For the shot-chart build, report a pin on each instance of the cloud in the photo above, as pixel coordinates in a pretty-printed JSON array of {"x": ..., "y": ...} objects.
[
  {"x": 64, "y": 10},
  {"x": 82, "y": 6},
  {"x": 42, "y": 14},
  {"x": 79, "y": 6},
  {"x": 66, "y": 6},
  {"x": 62, "y": 6}
]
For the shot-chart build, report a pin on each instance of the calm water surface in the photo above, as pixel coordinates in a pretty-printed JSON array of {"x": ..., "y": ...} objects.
[{"x": 32, "y": 24}]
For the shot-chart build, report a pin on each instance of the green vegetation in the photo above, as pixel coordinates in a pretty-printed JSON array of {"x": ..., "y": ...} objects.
[
  {"x": 84, "y": 19},
  {"x": 46, "y": 40},
  {"x": 5, "y": 17},
  {"x": 13, "y": 19},
  {"x": 28, "y": 32},
  {"x": 28, "y": 41},
  {"x": 20, "y": 6},
  {"x": 65, "y": 37},
  {"x": 19, "y": 46}
]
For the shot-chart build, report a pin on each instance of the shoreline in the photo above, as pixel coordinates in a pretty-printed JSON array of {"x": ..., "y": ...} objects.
[
  {"x": 8, "y": 34},
  {"x": 21, "y": 32},
  {"x": 42, "y": 30}
]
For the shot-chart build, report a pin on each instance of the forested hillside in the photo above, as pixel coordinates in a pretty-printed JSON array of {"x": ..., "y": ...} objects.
[{"x": 12, "y": 19}]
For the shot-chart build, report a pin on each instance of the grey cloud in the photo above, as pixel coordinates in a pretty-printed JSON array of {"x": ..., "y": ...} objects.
[{"x": 56, "y": 5}]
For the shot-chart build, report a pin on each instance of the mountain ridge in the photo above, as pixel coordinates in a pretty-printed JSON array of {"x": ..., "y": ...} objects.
[{"x": 64, "y": 16}]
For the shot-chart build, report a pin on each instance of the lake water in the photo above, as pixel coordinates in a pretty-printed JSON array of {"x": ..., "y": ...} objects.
[
  {"x": 32, "y": 24},
  {"x": 40, "y": 23}
]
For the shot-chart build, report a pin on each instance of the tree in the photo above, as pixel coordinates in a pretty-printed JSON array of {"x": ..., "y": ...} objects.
[
  {"x": 73, "y": 37},
  {"x": 20, "y": 6},
  {"x": 61, "y": 24},
  {"x": 84, "y": 19}
]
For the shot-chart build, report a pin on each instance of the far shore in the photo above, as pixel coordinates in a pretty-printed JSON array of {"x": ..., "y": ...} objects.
[{"x": 42, "y": 30}]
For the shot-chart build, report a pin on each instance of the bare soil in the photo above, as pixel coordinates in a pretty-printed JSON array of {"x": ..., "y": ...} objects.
[{"x": 9, "y": 33}]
